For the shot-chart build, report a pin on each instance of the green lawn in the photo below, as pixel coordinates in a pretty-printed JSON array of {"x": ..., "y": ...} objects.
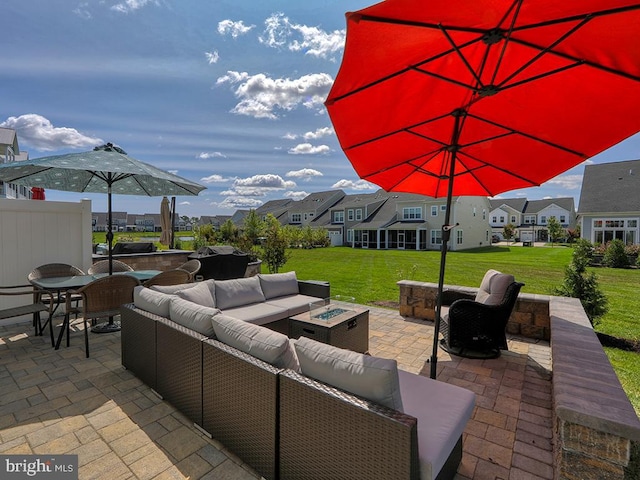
[{"x": 371, "y": 275}]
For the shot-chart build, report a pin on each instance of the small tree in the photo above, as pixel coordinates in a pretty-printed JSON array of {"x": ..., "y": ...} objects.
[
  {"x": 228, "y": 232},
  {"x": 615, "y": 256},
  {"x": 275, "y": 246},
  {"x": 509, "y": 231},
  {"x": 579, "y": 283},
  {"x": 253, "y": 226},
  {"x": 203, "y": 235},
  {"x": 555, "y": 229}
]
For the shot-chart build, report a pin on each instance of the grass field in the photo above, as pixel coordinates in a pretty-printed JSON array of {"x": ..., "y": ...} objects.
[{"x": 371, "y": 275}]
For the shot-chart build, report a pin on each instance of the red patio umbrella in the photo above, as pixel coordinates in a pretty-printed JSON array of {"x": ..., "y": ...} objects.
[{"x": 477, "y": 97}]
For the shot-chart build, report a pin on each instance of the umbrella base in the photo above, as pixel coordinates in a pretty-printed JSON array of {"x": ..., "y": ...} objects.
[
  {"x": 469, "y": 352},
  {"x": 106, "y": 327}
]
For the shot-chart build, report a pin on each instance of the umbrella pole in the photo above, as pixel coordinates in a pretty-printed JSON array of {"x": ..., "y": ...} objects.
[
  {"x": 446, "y": 235},
  {"x": 109, "y": 229}
]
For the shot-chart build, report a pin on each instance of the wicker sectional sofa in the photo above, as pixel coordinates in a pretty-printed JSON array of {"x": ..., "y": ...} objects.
[{"x": 320, "y": 413}]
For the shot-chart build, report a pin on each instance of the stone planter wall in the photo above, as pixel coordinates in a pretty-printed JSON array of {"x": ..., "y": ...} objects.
[{"x": 160, "y": 260}]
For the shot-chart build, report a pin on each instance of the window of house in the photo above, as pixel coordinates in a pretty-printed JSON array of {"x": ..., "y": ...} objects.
[
  {"x": 513, "y": 219},
  {"x": 459, "y": 237},
  {"x": 543, "y": 219},
  {"x": 484, "y": 214},
  {"x": 443, "y": 208},
  {"x": 338, "y": 217},
  {"x": 349, "y": 236},
  {"x": 474, "y": 211},
  {"x": 350, "y": 215},
  {"x": 530, "y": 219},
  {"x": 605, "y": 230},
  {"x": 632, "y": 223},
  {"x": 434, "y": 211},
  {"x": 411, "y": 213},
  {"x": 359, "y": 214},
  {"x": 436, "y": 237},
  {"x": 296, "y": 218},
  {"x": 494, "y": 219},
  {"x": 563, "y": 219},
  {"x": 501, "y": 218}
]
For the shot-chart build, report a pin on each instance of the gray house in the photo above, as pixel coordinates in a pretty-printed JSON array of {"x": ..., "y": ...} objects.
[{"x": 610, "y": 202}]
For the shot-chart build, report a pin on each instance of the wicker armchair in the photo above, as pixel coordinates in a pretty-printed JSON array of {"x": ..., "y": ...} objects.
[
  {"x": 102, "y": 266},
  {"x": 192, "y": 266},
  {"x": 100, "y": 298},
  {"x": 473, "y": 327},
  {"x": 169, "y": 277},
  {"x": 51, "y": 270}
]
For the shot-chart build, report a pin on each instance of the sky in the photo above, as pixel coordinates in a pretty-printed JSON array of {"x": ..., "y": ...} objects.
[{"x": 227, "y": 93}]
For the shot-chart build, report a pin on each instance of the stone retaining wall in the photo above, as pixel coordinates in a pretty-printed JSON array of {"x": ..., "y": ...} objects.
[
  {"x": 596, "y": 429},
  {"x": 160, "y": 260}
]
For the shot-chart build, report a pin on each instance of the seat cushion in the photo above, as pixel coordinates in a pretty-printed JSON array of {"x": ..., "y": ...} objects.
[
  {"x": 493, "y": 287},
  {"x": 258, "y": 313},
  {"x": 442, "y": 411},
  {"x": 193, "y": 316},
  {"x": 278, "y": 284},
  {"x": 294, "y": 304},
  {"x": 373, "y": 378},
  {"x": 238, "y": 291},
  {"x": 151, "y": 301},
  {"x": 267, "y": 345}
]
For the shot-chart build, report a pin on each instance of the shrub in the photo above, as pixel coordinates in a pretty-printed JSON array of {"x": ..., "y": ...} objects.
[
  {"x": 615, "y": 256},
  {"x": 583, "y": 285},
  {"x": 583, "y": 249},
  {"x": 275, "y": 245}
]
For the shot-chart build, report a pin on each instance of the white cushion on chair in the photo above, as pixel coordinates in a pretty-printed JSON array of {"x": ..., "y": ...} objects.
[
  {"x": 202, "y": 294},
  {"x": 493, "y": 287},
  {"x": 193, "y": 316},
  {"x": 278, "y": 284},
  {"x": 151, "y": 301}
]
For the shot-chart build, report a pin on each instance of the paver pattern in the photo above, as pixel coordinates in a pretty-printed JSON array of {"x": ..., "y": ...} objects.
[{"x": 59, "y": 402}]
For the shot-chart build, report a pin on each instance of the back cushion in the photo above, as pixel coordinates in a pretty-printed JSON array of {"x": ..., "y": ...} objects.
[
  {"x": 493, "y": 287},
  {"x": 278, "y": 284},
  {"x": 193, "y": 316},
  {"x": 201, "y": 293},
  {"x": 155, "y": 302},
  {"x": 170, "y": 288},
  {"x": 370, "y": 377},
  {"x": 267, "y": 345},
  {"x": 237, "y": 292}
]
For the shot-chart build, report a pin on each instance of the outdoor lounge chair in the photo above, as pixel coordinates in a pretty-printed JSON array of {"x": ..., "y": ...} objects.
[
  {"x": 192, "y": 266},
  {"x": 169, "y": 277},
  {"x": 102, "y": 266},
  {"x": 474, "y": 327}
]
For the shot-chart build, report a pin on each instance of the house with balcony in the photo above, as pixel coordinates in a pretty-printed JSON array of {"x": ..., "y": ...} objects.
[{"x": 609, "y": 205}]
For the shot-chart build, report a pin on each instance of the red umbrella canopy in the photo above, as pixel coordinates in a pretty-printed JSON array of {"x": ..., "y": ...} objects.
[{"x": 519, "y": 91}]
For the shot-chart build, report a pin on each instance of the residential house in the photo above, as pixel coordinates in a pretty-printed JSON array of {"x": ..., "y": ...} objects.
[
  {"x": 277, "y": 208},
  {"x": 610, "y": 202},
  {"x": 99, "y": 221},
  {"x": 216, "y": 220},
  {"x": 305, "y": 211},
  {"x": 10, "y": 152},
  {"x": 531, "y": 217}
]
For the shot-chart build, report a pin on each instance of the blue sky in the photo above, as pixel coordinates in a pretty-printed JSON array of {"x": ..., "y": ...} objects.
[{"x": 225, "y": 93}]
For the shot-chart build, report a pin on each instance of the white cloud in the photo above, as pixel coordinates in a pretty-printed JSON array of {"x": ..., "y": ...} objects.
[
  {"x": 268, "y": 180},
  {"x": 357, "y": 185},
  {"x": 569, "y": 182},
  {"x": 38, "y": 132},
  {"x": 280, "y": 32},
  {"x": 308, "y": 149},
  {"x": 82, "y": 11},
  {"x": 215, "y": 178},
  {"x": 131, "y": 5},
  {"x": 296, "y": 195},
  {"x": 234, "y": 203},
  {"x": 246, "y": 191},
  {"x": 207, "y": 155},
  {"x": 185, "y": 203},
  {"x": 319, "y": 133},
  {"x": 289, "y": 136},
  {"x": 235, "y": 29},
  {"x": 261, "y": 95},
  {"x": 212, "y": 57},
  {"x": 304, "y": 174}
]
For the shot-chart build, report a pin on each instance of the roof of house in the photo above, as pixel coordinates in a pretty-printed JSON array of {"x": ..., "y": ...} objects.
[
  {"x": 8, "y": 137},
  {"x": 316, "y": 201},
  {"x": 517, "y": 204},
  {"x": 611, "y": 187},
  {"x": 535, "y": 206}
]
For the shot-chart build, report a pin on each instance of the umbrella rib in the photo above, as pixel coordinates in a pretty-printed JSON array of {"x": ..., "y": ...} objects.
[
  {"x": 462, "y": 57},
  {"x": 542, "y": 75},
  {"x": 410, "y": 23},
  {"x": 505, "y": 44},
  {"x": 443, "y": 78},
  {"x": 17, "y": 179},
  {"x": 544, "y": 51},
  {"x": 490, "y": 165},
  {"x": 573, "y": 18},
  {"x": 529, "y": 136},
  {"x": 580, "y": 60}
]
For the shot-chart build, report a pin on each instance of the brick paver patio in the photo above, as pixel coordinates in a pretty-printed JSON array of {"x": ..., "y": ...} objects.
[{"x": 59, "y": 402}]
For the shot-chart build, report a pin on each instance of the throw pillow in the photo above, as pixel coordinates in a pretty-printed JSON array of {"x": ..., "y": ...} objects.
[
  {"x": 152, "y": 301},
  {"x": 238, "y": 291},
  {"x": 267, "y": 345},
  {"x": 492, "y": 291},
  {"x": 200, "y": 294},
  {"x": 278, "y": 284},
  {"x": 373, "y": 378},
  {"x": 193, "y": 316}
]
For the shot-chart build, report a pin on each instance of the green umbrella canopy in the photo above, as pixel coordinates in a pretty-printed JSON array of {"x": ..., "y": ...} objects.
[{"x": 95, "y": 171}]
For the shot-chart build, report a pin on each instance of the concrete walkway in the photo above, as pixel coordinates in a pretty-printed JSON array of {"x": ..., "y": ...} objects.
[{"x": 59, "y": 402}]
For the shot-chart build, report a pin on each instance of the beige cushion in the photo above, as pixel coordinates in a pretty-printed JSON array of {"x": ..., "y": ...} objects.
[
  {"x": 267, "y": 345},
  {"x": 238, "y": 291},
  {"x": 152, "y": 301},
  {"x": 294, "y": 304},
  {"x": 193, "y": 316},
  {"x": 199, "y": 293},
  {"x": 493, "y": 287},
  {"x": 370, "y": 377},
  {"x": 171, "y": 288},
  {"x": 278, "y": 284}
]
